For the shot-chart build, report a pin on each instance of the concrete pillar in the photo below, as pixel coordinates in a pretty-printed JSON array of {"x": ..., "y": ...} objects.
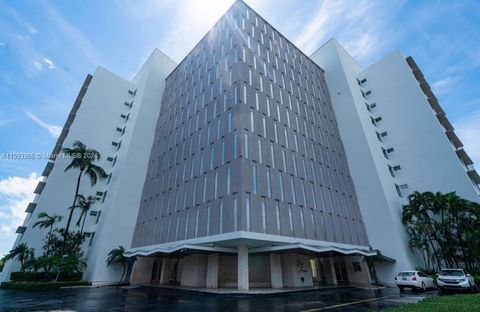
[
  {"x": 166, "y": 271},
  {"x": 242, "y": 279},
  {"x": 276, "y": 270},
  {"x": 194, "y": 270},
  {"x": 142, "y": 270},
  {"x": 212, "y": 270},
  {"x": 330, "y": 271}
]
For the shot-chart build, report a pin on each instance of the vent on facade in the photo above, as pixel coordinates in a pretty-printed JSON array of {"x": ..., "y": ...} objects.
[
  {"x": 392, "y": 172},
  {"x": 399, "y": 191},
  {"x": 121, "y": 130},
  {"x": 113, "y": 160},
  {"x": 132, "y": 92},
  {"x": 375, "y": 120},
  {"x": 93, "y": 213},
  {"x": 370, "y": 106},
  {"x": 385, "y": 154},
  {"x": 117, "y": 144},
  {"x": 362, "y": 81},
  {"x": 125, "y": 116}
]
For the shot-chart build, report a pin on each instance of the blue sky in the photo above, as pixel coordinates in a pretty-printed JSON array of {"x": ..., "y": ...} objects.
[{"x": 47, "y": 48}]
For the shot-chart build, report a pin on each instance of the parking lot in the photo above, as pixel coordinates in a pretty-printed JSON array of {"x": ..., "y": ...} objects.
[{"x": 151, "y": 299}]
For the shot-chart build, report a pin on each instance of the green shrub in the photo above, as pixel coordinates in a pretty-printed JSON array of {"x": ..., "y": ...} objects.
[
  {"x": 44, "y": 277},
  {"x": 41, "y": 285},
  {"x": 476, "y": 277}
]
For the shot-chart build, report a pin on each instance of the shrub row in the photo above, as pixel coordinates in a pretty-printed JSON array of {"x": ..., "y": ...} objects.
[
  {"x": 44, "y": 277},
  {"x": 41, "y": 285}
]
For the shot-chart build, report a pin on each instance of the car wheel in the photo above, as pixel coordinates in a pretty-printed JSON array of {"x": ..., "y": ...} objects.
[
  {"x": 424, "y": 288},
  {"x": 402, "y": 289}
]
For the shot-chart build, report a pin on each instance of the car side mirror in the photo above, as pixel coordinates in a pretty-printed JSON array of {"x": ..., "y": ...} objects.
[{"x": 468, "y": 275}]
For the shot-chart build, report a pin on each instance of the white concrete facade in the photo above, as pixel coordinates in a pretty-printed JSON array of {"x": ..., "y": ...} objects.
[
  {"x": 394, "y": 145},
  {"x": 116, "y": 117}
]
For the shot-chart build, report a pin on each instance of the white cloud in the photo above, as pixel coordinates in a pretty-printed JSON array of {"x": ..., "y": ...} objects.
[
  {"x": 361, "y": 27},
  {"x": 468, "y": 130},
  {"x": 15, "y": 194},
  {"x": 49, "y": 62},
  {"x": 444, "y": 86},
  {"x": 54, "y": 130}
]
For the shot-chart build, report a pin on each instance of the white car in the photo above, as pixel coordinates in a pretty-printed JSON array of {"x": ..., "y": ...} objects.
[
  {"x": 455, "y": 279},
  {"x": 414, "y": 279}
]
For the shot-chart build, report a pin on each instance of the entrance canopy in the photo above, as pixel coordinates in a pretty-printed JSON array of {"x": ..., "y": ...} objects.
[{"x": 256, "y": 243}]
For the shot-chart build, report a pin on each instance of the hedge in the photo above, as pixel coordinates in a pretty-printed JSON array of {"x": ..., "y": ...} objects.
[
  {"x": 41, "y": 285},
  {"x": 44, "y": 277}
]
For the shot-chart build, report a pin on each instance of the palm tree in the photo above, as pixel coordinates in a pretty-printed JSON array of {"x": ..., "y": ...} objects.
[
  {"x": 47, "y": 221},
  {"x": 83, "y": 159},
  {"x": 84, "y": 204},
  {"x": 115, "y": 256},
  {"x": 22, "y": 252}
]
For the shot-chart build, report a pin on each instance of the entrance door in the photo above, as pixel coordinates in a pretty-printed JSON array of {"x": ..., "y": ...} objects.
[
  {"x": 156, "y": 271},
  {"x": 341, "y": 272}
]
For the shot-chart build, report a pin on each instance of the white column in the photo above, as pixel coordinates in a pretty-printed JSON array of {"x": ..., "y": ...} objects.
[
  {"x": 166, "y": 271},
  {"x": 243, "y": 267},
  {"x": 330, "y": 271},
  {"x": 276, "y": 270},
  {"x": 212, "y": 270},
  {"x": 142, "y": 270}
]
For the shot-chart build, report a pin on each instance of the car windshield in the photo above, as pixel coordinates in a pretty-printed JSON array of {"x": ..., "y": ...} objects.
[
  {"x": 406, "y": 274},
  {"x": 451, "y": 272}
]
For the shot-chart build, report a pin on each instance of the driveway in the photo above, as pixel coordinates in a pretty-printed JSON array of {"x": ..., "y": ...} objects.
[{"x": 152, "y": 299}]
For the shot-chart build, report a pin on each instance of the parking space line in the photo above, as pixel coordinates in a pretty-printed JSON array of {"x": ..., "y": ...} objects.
[{"x": 346, "y": 304}]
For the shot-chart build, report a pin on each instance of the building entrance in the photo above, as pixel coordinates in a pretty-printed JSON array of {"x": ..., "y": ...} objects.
[{"x": 341, "y": 272}]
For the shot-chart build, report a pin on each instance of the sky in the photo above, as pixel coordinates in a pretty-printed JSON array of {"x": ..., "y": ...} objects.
[{"x": 48, "y": 47}]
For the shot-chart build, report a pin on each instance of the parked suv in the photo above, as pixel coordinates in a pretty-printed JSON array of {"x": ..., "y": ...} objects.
[
  {"x": 455, "y": 279},
  {"x": 414, "y": 279}
]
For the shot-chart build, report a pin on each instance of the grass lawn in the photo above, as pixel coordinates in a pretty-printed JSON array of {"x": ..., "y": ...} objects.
[{"x": 470, "y": 302}]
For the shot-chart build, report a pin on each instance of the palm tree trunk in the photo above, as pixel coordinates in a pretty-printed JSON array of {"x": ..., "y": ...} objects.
[
  {"x": 83, "y": 222},
  {"x": 71, "y": 210}
]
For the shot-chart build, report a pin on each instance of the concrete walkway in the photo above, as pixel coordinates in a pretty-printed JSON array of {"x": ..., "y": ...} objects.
[{"x": 251, "y": 291}]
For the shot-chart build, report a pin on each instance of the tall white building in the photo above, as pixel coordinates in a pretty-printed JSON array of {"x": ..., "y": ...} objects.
[
  {"x": 249, "y": 151},
  {"x": 397, "y": 140}
]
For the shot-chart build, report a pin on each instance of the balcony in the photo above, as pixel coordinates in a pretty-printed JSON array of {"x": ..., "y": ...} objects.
[
  {"x": 31, "y": 207},
  {"x": 454, "y": 139},
  {"x": 466, "y": 160},
  {"x": 40, "y": 187},
  {"x": 426, "y": 89},
  {"x": 21, "y": 229},
  {"x": 445, "y": 122},
  {"x": 433, "y": 101},
  {"x": 48, "y": 169},
  {"x": 56, "y": 151},
  {"x": 473, "y": 174}
]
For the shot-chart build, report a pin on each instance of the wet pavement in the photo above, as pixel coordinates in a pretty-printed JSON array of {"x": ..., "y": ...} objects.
[{"x": 154, "y": 299}]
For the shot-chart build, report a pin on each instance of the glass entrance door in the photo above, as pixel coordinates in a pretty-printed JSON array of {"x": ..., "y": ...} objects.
[{"x": 341, "y": 272}]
